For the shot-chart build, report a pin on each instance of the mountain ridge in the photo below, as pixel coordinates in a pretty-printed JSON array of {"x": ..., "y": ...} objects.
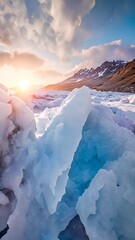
[
  {"x": 104, "y": 69},
  {"x": 117, "y": 75}
]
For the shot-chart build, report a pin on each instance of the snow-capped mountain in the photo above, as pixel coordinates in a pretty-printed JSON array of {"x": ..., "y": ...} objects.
[
  {"x": 110, "y": 76},
  {"x": 104, "y": 70},
  {"x": 122, "y": 80}
]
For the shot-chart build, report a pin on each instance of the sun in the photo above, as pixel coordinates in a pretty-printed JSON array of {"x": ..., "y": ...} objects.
[{"x": 24, "y": 85}]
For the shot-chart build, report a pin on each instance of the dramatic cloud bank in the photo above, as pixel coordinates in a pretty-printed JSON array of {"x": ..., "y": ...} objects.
[
  {"x": 20, "y": 60},
  {"x": 50, "y": 24},
  {"x": 115, "y": 50}
]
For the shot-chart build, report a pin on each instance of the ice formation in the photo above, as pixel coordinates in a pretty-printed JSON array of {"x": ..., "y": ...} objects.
[
  {"x": 16, "y": 134},
  {"x": 75, "y": 157},
  {"x": 107, "y": 208}
]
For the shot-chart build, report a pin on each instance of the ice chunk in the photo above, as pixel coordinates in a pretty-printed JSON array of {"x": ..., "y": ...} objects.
[
  {"x": 20, "y": 109},
  {"x": 5, "y": 110},
  {"x": 3, "y": 199},
  {"x": 16, "y": 140},
  {"x": 107, "y": 208},
  {"x": 47, "y": 174},
  {"x": 60, "y": 142},
  {"x": 4, "y": 96}
]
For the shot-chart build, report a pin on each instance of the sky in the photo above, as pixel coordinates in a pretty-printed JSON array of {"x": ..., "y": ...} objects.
[{"x": 45, "y": 41}]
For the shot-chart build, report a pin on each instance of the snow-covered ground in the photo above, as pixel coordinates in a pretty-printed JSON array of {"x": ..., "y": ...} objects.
[{"x": 67, "y": 154}]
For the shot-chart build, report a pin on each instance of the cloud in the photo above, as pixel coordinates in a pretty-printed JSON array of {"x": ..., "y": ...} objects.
[
  {"x": 51, "y": 24},
  {"x": 115, "y": 50},
  {"x": 68, "y": 16},
  {"x": 21, "y": 60}
]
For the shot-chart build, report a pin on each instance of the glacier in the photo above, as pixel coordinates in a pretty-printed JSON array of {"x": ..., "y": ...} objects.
[{"x": 74, "y": 156}]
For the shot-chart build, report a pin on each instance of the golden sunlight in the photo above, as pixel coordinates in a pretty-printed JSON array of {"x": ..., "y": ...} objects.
[{"x": 24, "y": 85}]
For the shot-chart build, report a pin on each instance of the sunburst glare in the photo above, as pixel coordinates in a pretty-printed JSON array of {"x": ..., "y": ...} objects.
[{"x": 24, "y": 85}]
